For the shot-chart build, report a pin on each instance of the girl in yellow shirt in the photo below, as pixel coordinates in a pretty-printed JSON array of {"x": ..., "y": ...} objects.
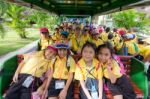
[
  {"x": 85, "y": 37},
  {"x": 89, "y": 73},
  {"x": 117, "y": 83},
  {"x": 60, "y": 84},
  {"x": 76, "y": 41},
  {"x": 45, "y": 39},
  {"x": 27, "y": 76},
  {"x": 95, "y": 38}
]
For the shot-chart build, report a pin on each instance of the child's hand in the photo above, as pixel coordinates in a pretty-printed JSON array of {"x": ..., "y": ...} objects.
[
  {"x": 44, "y": 95},
  {"x": 15, "y": 78},
  {"x": 109, "y": 66},
  {"x": 40, "y": 91},
  {"x": 63, "y": 94}
]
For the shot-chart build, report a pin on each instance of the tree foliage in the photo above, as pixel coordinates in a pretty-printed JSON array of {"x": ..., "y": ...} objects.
[
  {"x": 19, "y": 18},
  {"x": 3, "y": 8},
  {"x": 130, "y": 18}
]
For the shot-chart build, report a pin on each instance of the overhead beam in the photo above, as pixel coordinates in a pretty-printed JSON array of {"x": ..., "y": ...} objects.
[
  {"x": 41, "y": 4},
  {"x": 116, "y": 4}
]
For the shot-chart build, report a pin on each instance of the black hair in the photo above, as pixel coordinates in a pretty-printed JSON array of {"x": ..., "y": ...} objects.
[
  {"x": 114, "y": 29},
  {"x": 89, "y": 44},
  {"x": 140, "y": 41},
  {"x": 104, "y": 26},
  {"x": 110, "y": 36},
  {"x": 107, "y": 29},
  {"x": 106, "y": 45}
]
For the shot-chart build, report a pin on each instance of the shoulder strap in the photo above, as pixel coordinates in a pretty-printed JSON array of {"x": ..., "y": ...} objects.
[
  {"x": 54, "y": 64},
  {"x": 98, "y": 66},
  {"x": 68, "y": 62}
]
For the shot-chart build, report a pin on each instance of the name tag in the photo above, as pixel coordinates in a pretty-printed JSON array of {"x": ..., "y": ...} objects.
[
  {"x": 59, "y": 84},
  {"x": 94, "y": 95},
  {"x": 28, "y": 81}
]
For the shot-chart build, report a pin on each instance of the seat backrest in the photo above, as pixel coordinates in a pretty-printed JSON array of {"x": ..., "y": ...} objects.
[
  {"x": 136, "y": 70},
  {"x": 138, "y": 75}
]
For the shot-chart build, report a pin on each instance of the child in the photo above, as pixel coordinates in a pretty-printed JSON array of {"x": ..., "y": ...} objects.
[
  {"x": 95, "y": 38},
  {"x": 60, "y": 84},
  {"x": 45, "y": 39},
  {"x": 117, "y": 83},
  {"x": 85, "y": 36},
  {"x": 27, "y": 76},
  {"x": 63, "y": 37},
  {"x": 76, "y": 41},
  {"x": 89, "y": 73},
  {"x": 56, "y": 35}
]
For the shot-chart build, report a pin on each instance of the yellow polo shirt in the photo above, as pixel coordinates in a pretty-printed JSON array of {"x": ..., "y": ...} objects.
[
  {"x": 131, "y": 47},
  {"x": 45, "y": 42},
  {"x": 60, "y": 70},
  {"x": 75, "y": 43},
  {"x": 145, "y": 51},
  {"x": 37, "y": 65},
  {"x": 116, "y": 70},
  {"x": 104, "y": 36},
  {"x": 81, "y": 72},
  {"x": 56, "y": 36},
  {"x": 97, "y": 42},
  {"x": 84, "y": 38}
]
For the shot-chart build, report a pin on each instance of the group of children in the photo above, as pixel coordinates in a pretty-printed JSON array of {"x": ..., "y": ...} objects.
[
  {"x": 77, "y": 35},
  {"x": 50, "y": 72}
]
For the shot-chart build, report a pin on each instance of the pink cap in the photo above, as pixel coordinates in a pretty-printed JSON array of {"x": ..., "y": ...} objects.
[
  {"x": 44, "y": 30},
  {"x": 52, "y": 47},
  {"x": 101, "y": 29},
  {"x": 121, "y": 32}
]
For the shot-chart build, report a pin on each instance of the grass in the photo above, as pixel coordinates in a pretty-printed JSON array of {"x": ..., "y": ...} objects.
[{"x": 12, "y": 41}]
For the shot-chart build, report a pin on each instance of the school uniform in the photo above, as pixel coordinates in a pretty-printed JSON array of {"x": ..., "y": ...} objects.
[
  {"x": 104, "y": 36},
  {"x": 131, "y": 47},
  {"x": 45, "y": 42},
  {"x": 118, "y": 42},
  {"x": 84, "y": 38},
  {"x": 61, "y": 69},
  {"x": 82, "y": 73},
  {"x": 56, "y": 36},
  {"x": 97, "y": 42},
  {"x": 145, "y": 51},
  {"x": 75, "y": 43},
  {"x": 34, "y": 68},
  {"x": 122, "y": 85}
]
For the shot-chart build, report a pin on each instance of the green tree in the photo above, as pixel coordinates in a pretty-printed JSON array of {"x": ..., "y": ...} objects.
[
  {"x": 17, "y": 19},
  {"x": 43, "y": 19},
  {"x": 3, "y": 8},
  {"x": 130, "y": 18}
]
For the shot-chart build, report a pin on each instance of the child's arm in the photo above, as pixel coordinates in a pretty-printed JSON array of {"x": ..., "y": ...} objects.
[
  {"x": 42, "y": 90},
  {"x": 15, "y": 77},
  {"x": 100, "y": 85},
  {"x": 50, "y": 76},
  {"x": 85, "y": 89},
  {"x": 63, "y": 93},
  {"x": 26, "y": 58}
]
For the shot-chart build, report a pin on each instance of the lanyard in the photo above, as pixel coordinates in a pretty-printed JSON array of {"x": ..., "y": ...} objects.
[{"x": 89, "y": 71}]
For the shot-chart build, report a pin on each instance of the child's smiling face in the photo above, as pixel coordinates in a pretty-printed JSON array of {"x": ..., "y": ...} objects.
[
  {"x": 49, "y": 53},
  {"x": 88, "y": 54},
  {"x": 104, "y": 55},
  {"x": 62, "y": 52}
]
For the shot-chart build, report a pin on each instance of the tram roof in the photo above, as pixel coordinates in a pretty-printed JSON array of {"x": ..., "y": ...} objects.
[{"x": 80, "y": 7}]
